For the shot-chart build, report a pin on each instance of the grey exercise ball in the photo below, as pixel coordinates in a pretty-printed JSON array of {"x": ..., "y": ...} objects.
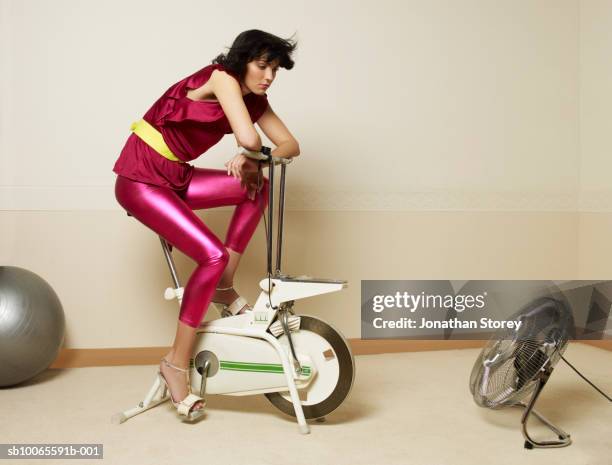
[{"x": 31, "y": 325}]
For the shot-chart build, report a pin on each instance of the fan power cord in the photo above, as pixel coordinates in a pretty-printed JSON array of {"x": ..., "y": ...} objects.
[{"x": 584, "y": 378}]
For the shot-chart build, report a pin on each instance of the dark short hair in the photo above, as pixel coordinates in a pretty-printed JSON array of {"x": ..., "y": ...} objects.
[{"x": 253, "y": 44}]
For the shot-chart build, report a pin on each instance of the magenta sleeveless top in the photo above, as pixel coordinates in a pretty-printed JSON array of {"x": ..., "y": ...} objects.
[{"x": 188, "y": 127}]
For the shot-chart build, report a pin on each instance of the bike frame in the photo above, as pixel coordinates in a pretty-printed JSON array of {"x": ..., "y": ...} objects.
[{"x": 278, "y": 293}]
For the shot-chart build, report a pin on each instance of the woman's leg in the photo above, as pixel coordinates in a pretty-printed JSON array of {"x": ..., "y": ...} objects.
[
  {"x": 211, "y": 188},
  {"x": 163, "y": 211}
]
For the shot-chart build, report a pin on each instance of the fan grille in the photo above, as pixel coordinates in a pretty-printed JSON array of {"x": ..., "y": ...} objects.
[{"x": 507, "y": 368}]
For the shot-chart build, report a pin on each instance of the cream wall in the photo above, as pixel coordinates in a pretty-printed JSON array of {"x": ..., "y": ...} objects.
[
  {"x": 445, "y": 96},
  {"x": 441, "y": 140},
  {"x": 595, "y": 223}
]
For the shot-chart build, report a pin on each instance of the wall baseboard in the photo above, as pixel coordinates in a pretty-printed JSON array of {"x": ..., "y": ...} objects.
[
  {"x": 75, "y": 358},
  {"x": 601, "y": 343}
]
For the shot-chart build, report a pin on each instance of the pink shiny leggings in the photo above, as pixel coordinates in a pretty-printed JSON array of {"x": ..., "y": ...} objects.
[{"x": 170, "y": 214}]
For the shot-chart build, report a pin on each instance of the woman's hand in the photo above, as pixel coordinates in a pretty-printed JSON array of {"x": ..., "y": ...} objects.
[
  {"x": 246, "y": 170},
  {"x": 241, "y": 167}
]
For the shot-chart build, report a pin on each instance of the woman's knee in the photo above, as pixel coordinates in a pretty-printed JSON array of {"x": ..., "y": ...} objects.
[
  {"x": 223, "y": 256},
  {"x": 215, "y": 255}
]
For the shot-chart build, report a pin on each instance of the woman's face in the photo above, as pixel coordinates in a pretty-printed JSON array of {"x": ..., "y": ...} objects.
[{"x": 259, "y": 75}]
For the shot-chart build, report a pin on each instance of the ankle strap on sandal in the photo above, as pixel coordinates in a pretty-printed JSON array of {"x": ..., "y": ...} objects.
[
  {"x": 224, "y": 288},
  {"x": 184, "y": 370}
]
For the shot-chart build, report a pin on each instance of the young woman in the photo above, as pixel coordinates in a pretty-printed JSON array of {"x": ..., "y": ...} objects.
[{"x": 157, "y": 186}]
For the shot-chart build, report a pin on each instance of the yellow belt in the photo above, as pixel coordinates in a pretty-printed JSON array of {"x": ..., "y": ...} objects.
[{"x": 153, "y": 138}]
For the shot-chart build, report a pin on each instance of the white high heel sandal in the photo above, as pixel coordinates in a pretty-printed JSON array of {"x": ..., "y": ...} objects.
[
  {"x": 235, "y": 307},
  {"x": 184, "y": 406}
]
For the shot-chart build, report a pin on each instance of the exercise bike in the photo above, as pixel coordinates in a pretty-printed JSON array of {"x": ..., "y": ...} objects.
[{"x": 303, "y": 365}]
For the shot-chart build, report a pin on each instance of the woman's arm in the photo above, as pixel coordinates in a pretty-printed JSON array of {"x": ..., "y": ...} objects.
[
  {"x": 228, "y": 93},
  {"x": 277, "y": 132}
]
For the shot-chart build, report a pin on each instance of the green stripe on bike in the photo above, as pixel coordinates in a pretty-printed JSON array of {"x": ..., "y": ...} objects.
[{"x": 257, "y": 367}]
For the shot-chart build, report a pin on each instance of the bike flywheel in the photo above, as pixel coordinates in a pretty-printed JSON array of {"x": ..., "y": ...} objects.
[{"x": 335, "y": 367}]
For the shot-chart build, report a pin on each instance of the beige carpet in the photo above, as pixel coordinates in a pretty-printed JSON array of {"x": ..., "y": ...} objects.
[{"x": 408, "y": 408}]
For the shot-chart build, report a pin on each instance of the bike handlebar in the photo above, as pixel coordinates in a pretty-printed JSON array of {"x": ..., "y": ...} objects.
[{"x": 264, "y": 155}]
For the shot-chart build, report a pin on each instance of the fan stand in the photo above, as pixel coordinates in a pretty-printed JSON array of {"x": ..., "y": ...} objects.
[{"x": 564, "y": 438}]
